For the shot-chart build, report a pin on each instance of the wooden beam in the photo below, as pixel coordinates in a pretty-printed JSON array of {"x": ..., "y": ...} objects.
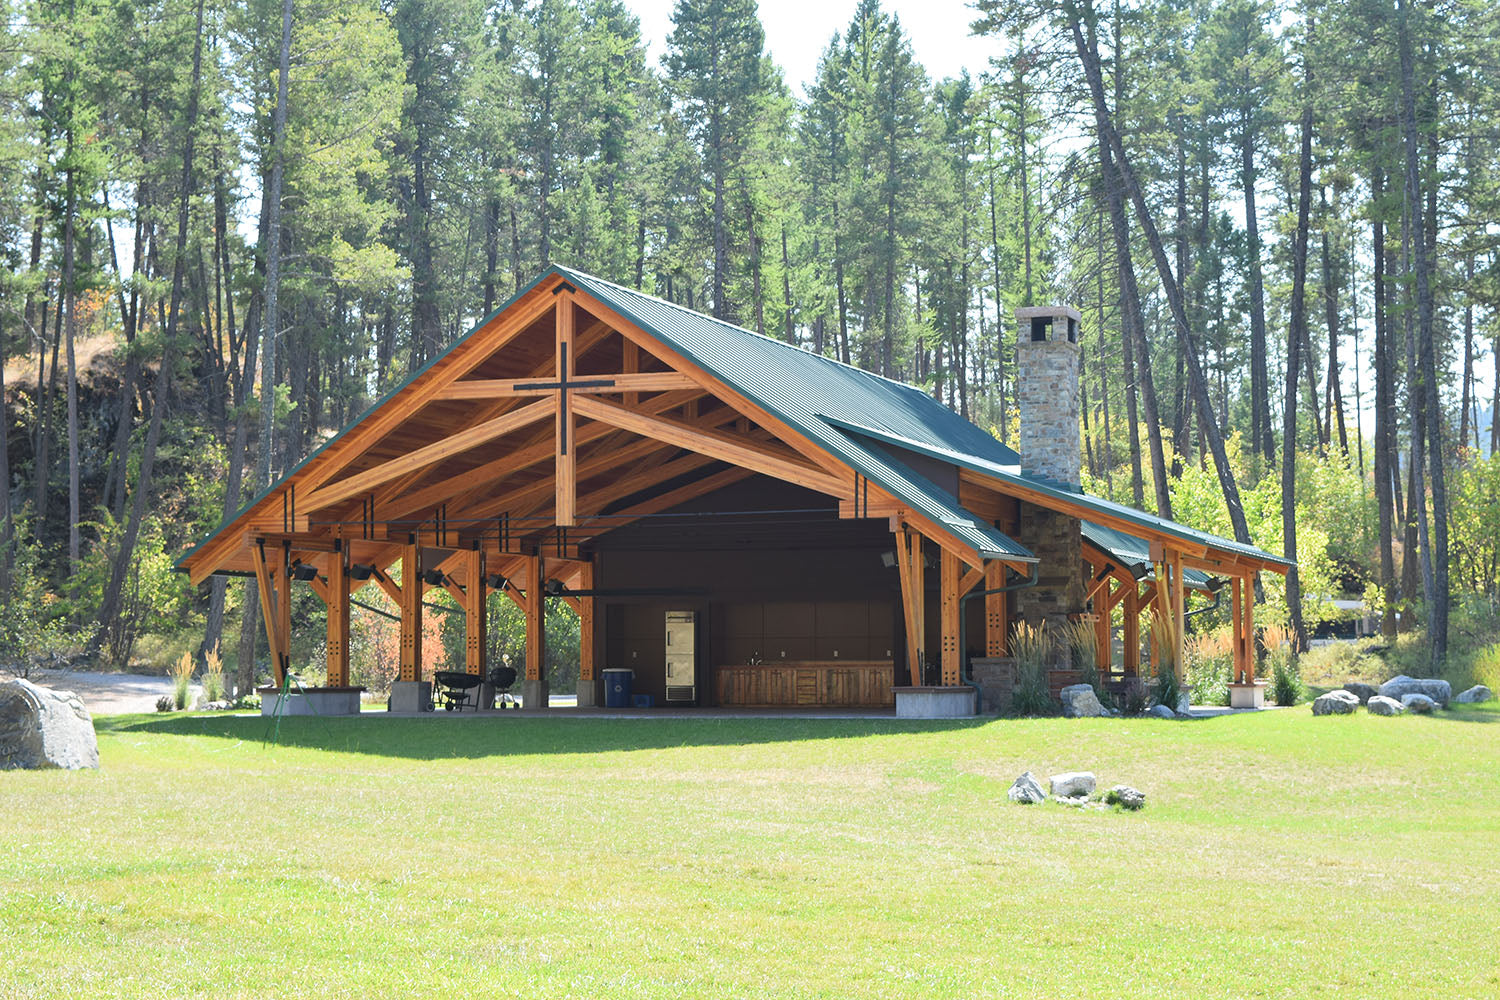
[
  {"x": 909, "y": 564},
  {"x": 536, "y": 618},
  {"x": 566, "y": 493},
  {"x": 411, "y": 614},
  {"x": 952, "y": 656},
  {"x": 1179, "y": 614},
  {"x": 1131, "y": 632},
  {"x": 735, "y": 451},
  {"x": 1104, "y": 653},
  {"x": 633, "y": 383},
  {"x": 475, "y": 614},
  {"x": 338, "y": 620},
  {"x": 480, "y": 480},
  {"x": 996, "y": 610},
  {"x": 586, "y": 670},
  {"x": 970, "y": 580},
  {"x": 270, "y": 613},
  {"x": 454, "y": 444}
]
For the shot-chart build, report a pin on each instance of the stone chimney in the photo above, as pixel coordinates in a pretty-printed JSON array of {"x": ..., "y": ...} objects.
[{"x": 1047, "y": 356}]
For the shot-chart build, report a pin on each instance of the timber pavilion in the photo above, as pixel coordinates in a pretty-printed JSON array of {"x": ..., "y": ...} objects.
[{"x": 736, "y": 520}]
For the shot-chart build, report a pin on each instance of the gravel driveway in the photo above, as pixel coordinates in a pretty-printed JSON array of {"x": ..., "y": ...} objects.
[{"x": 111, "y": 694}]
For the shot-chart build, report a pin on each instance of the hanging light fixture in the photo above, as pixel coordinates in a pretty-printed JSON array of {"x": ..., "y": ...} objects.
[
  {"x": 553, "y": 588},
  {"x": 304, "y": 571},
  {"x": 432, "y": 576},
  {"x": 497, "y": 581},
  {"x": 361, "y": 571}
]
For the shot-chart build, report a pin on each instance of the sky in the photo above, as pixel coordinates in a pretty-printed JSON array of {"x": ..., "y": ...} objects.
[{"x": 797, "y": 32}]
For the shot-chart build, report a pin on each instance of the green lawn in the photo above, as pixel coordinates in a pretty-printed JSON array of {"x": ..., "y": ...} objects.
[{"x": 1279, "y": 855}]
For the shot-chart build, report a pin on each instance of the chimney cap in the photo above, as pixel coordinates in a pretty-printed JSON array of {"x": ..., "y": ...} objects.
[{"x": 1032, "y": 312}]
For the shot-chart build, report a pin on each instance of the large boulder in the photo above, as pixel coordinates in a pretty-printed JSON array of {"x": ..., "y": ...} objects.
[
  {"x": 1415, "y": 702},
  {"x": 1027, "y": 790},
  {"x": 1475, "y": 694},
  {"x": 1080, "y": 702},
  {"x": 1364, "y": 692},
  {"x": 1335, "y": 703},
  {"x": 41, "y": 728},
  {"x": 1161, "y": 712},
  {"x": 1381, "y": 705},
  {"x": 1439, "y": 691},
  {"x": 1071, "y": 784}
]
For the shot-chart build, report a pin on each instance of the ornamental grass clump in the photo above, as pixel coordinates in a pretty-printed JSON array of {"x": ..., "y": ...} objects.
[
  {"x": 1031, "y": 648},
  {"x": 213, "y": 675},
  {"x": 1210, "y": 659},
  {"x": 1286, "y": 677},
  {"x": 182, "y": 678}
]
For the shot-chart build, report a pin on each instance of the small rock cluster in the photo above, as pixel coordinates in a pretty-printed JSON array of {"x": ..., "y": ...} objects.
[
  {"x": 1074, "y": 788},
  {"x": 1423, "y": 695}
]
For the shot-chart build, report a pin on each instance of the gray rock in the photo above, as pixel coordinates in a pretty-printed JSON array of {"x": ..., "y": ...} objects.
[
  {"x": 1381, "y": 705},
  {"x": 41, "y": 728},
  {"x": 1125, "y": 797},
  {"x": 1080, "y": 702},
  {"x": 1184, "y": 703},
  {"x": 1475, "y": 694},
  {"x": 1071, "y": 784},
  {"x": 1364, "y": 692},
  {"x": 1439, "y": 691},
  {"x": 1161, "y": 712},
  {"x": 1335, "y": 703},
  {"x": 1415, "y": 702},
  {"x": 1071, "y": 800},
  {"x": 1026, "y": 790}
]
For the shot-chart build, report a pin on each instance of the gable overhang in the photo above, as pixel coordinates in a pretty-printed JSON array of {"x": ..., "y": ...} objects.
[{"x": 863, "y": 482}]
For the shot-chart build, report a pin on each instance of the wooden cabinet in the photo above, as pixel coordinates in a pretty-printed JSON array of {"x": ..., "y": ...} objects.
[{"x": 806, "y": 684}]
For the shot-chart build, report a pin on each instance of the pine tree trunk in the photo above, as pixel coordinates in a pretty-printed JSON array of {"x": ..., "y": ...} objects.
[
  {"x": 1260, "y": 400},
  {"x": 110, "y": 607},
  {"x": 271, "y": 310},
  {"x": 1429, "y": 399},
  {"x": 1296, "y": 336},
  {"x": 1384, "y": 464}
]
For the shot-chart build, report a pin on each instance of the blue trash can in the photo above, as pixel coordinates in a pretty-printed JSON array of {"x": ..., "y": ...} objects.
[{"x": 618, "y": 684}]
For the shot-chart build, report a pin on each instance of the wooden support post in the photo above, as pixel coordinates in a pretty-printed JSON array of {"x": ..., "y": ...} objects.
[
  {"x": 338, "y": 618},
  {"x": 284, "y": 612},
  {"x": 1179, "y": 614},
  {"x": 1249, "y": 595},
  {"x": 1104, "y": 656},
  {"x": 909, "y": 560},
  {"x": 996, "y": 610},
  {"x": 536, "y": 618},
  {"x": 1131, "y": 633},
  {"x": 1237, "y": 630},
  {"x": 265, "y": 580},
  {"x": 919, "y": 606},
  {"x": 411, "y": 612},
  {"x": 475, "y": 614},
  {"x": 952, "y": 658},
  {"x": 586, "y": 624},
  {"x": 567, "y": 486}
]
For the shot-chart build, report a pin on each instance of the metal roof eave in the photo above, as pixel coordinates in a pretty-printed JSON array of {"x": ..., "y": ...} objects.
[{"x": 1109, "y": 507}]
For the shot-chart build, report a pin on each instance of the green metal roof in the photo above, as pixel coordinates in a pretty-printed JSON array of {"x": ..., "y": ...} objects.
[
  {"x": 844, "y": 409},
  {"x": 1134, "y": 554},
  {"x": 1011, "y": 473},
  {"x": 796, "y": 385}
]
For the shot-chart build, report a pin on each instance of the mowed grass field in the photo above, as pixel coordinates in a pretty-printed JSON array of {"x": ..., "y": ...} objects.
[{"x": 1279, "y": 855}]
